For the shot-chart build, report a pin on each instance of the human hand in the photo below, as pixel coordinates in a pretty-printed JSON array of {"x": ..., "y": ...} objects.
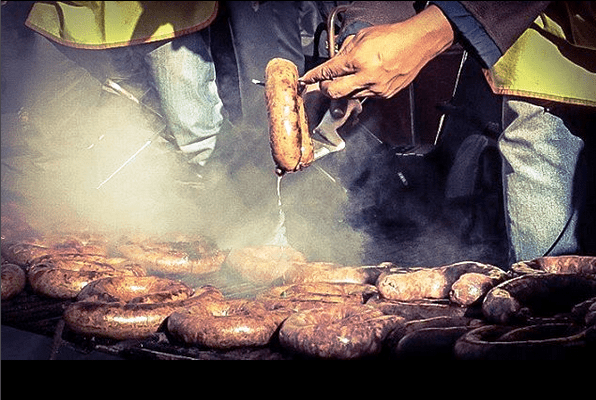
[{"x": 381, "y": 60}]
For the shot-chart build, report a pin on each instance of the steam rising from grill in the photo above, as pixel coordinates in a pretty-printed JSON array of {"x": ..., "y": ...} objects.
[{"x": 351, "y": 209}]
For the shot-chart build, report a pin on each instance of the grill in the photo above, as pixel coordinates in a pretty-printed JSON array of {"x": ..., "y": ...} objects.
[
  {"x": 40, "y": 315},
  {"x": 33, "y": 313}
]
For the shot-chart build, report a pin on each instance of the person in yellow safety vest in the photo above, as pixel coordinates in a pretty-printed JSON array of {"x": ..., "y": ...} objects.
[
  {"x": 541, "y": 56},
  {"x": 171, "y": 39}
]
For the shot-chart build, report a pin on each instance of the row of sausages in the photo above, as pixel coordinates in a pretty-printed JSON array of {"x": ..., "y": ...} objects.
[{"x": 330, "y": 311}]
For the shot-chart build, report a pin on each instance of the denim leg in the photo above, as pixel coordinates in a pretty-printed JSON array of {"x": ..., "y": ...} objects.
[
  {"x": 184, "y": 76},
  {"x": 540, "y": 157}
]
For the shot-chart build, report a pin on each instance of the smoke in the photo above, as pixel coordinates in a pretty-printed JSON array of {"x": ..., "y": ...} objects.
[
  {"x": 71, "y": 135},
  {"x": 351, "y": 207}
]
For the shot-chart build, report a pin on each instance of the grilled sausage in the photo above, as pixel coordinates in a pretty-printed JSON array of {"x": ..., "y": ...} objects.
[
  {"x": 196, "y": 257},
  {"x": 418, "y": 309},
  {"x": 328, "y": 272},
  {"x": 226, "y": 324},
  {"x": 23, "y": 254},
  {"x": 471, "y": 288},
  {"x": 13, "y": 281},
  {"x": 568, "y": 264},
  {"x": 554, "y": 341},
  {"x": 64, "y": 276},
  {"x": 302, "y": 296},
  {"x": 131, "y": 307},
  {"x": 429, "y": 283},
  {"x": 536, "y": 295},
  {"x": 428, "y": 337},
  {"x": 289, "y": 137},
  {"x": 263, "y": 264},
  {"x": 337, "y": 331},
  {"x": 25, "y": 251}
]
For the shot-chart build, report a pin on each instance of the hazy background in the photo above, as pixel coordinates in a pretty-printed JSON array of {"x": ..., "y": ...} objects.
[{"x": 62, "y": 136}]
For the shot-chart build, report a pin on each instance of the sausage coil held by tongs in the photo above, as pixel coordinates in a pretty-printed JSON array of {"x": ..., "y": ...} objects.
[
  {"x": 291, "y": 145},
  {"x": 294, "y": 147}
]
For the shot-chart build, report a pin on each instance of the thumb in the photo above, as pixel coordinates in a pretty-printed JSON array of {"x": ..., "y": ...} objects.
[{"x": 332, "y": 68}]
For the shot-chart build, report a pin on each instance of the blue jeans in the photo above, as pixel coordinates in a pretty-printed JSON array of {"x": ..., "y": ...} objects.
[
  {"x": 540, "y": 171},
  {"x": 184, "y": 77},
  {"x": 182, "y": 73}
]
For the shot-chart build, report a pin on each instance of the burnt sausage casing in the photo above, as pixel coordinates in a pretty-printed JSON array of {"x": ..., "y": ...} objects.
[{"x": 289, "y": 137}]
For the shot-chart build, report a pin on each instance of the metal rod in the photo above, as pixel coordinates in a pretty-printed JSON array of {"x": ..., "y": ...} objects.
[
  {"x": 125, "y": 163},
  {"x": 412, "y": 102},
  {"x": 331, "y": 28},
  {"x": 442, "y": 119}
]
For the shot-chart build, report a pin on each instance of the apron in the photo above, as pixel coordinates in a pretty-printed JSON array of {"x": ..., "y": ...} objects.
[{"x": 539, "y": 64}]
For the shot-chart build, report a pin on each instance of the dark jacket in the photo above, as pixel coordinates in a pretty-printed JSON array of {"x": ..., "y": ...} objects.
[{"x": 563, "y": 34}]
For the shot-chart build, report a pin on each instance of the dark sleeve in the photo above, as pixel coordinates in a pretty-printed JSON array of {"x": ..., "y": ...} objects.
[
  {"x": 488, "y": 28},
  {"x": 503, "y": 22},
  {"x": 485, "y": 28},
  {"x": 469, "y": 32}
]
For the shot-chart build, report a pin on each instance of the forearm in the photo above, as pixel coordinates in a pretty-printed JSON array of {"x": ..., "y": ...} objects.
[{"x": 381, "y": 60}]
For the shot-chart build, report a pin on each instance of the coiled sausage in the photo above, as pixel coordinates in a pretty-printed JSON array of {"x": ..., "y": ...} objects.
[
  {"x": 337, "y": 331},
  {"x": 226, "y": 324},
  {"x": 63, "y": 276},
  {"x": 289, "y": 136},
  {"x": 532, "y": 295},
  {"x": 13, "y": 281},
  {"x": 131, "y": 307}
]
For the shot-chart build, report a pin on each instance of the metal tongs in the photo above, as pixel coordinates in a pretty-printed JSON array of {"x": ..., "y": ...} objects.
[{"x": 326, "y": 139}]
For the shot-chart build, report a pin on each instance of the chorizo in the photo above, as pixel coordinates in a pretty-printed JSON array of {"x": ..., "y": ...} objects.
[
  {"x": 329, "y": 272},
  {"x": 311, "y": 295},
  {"x": 131, "y": 307},
  {"x": 337, "y": 331},
  {"x": 289, "y": 136},
  {"x": 263, "y": 264},
  {"x": 13, "y": 281},
  {"x": 64, "y": 276},
  {"x": 433, "y": 342},
  {"x": 25, "y": 251},
  {"x": 196, "y": 257},
  {"x": 430, "y": 283},
  {"x": 536, "y": 295},
  {"x": 568, "y": 264},
  {"x": 554, "y": 341},
  {"x": 418, "y": 309},
  {"x": 429, "y": 337},
  {"x": 471, "y": 288},
  {"x": 226, "y": 324},
  {"x": 23, "y": 254}
]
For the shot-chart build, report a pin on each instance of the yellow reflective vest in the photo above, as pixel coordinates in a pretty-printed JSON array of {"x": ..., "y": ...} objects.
[
  {"x": 543, "y": 62},
  {"x": 108, "y": 24}
]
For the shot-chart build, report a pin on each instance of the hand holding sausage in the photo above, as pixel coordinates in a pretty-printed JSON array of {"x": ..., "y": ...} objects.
[{"x": 381, "y": 60}]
